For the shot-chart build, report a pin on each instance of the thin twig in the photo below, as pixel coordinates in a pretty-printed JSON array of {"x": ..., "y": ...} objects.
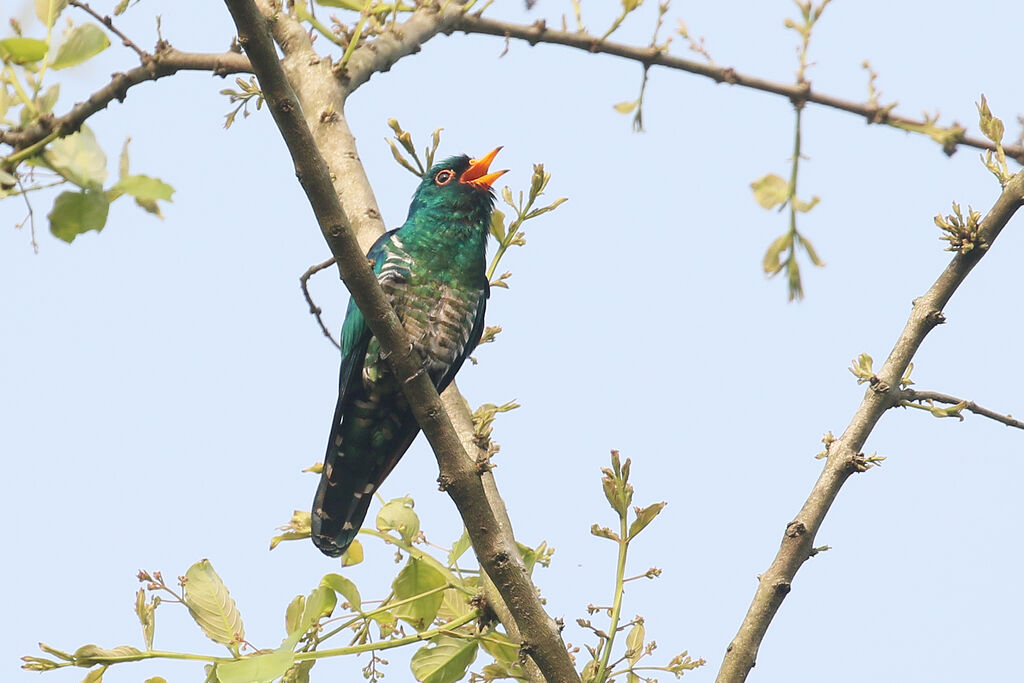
[
  {"x": 844, "y": 454},
  {"x": 910, "y": 395},
  {"x": 313, "y": 308},
  {"x": 109, "y": 23},
  {"x": 872, "y": 112},
  {"x": 166, "y": 62},
  {"x": 30, "y": 219}
]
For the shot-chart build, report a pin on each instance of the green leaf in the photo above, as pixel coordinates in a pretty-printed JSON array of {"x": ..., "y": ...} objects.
[
  {"x": 811, "y": 253},
  {"x": 398, "y": 514},
  {"x": 46, "y": 101},
  {"x": 156, "y": 679},
  {"x": 445, "y": 660},
  {"x": 144, "y": 188},
  {"x": 23, "y": 50},
  {"x": 345, "y": 588},
  {"x": 416, "y": 578},
  {"x": 60, "y": 654},
  {"x": 635, "y": 643},
  {"x": 211, "y": 605},
  {"x": 318, "y": 604},
  {"x": 85, "y": 41},
  {"x": 501, "y": 647},
  {"x": 261, "y": 668},
  {"x": 643, "y": 518},
  {"x": 772, "y": 263},
  {"x": 43, "y": 10},
  {"x": 122, "y": 162},
  {"x": 79, "y": 158},
  {"x": 95, "y": 676},
  {"x": 803, "y": 207},
  {"x": 604, "y": 532},
  {"x": 293, "y": 614},
  {"x": 146, "y": 613},
  {"x": 770, "y": 190},
  {"x": 353, "y": 555},
  {"x": 76, "y": 212},
  {"x": 454, "y": 604},
  {"x": 459, "y": 548},
  {"x": 498, "y": 225},
  {"x": 87, "y": 655},
  {"x": 627, "y": 107}
]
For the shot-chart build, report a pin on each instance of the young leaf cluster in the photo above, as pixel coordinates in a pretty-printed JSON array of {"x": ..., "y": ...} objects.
[
  {"x": 601, "y": 668},
  {"x": 513, "y": 235},
  {"x": 992, "y": 128},
  {"x": 246, "y": 93},
  {"x": 404, "y": 140},
  {"x": 961, "y": 231}
]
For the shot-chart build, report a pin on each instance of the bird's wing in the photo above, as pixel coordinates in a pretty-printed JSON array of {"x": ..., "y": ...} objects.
[
  {"x": 356, "y": 334},
  {"x": 474, "y": 338}
]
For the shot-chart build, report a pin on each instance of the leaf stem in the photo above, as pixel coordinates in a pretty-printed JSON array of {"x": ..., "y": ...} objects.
[
  {"x": 620, "y": 573},
  {"x": 387, "y": 645}
]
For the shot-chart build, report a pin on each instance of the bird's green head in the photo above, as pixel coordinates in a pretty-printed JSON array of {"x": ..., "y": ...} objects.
[{"x": 458, "y": 188}]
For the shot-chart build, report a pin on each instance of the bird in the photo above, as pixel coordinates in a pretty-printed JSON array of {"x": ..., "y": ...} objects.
[{"x": 433, "y": 272}]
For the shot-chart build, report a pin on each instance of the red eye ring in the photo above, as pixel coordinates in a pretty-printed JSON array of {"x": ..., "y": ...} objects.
[{"x": 444, "y": 176}]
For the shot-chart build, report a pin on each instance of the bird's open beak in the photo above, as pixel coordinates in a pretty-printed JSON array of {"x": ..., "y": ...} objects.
[{"x": 477, "y": 175}]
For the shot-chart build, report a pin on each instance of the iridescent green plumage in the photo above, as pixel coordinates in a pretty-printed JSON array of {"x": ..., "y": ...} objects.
[{"x": 432, "y": 270}]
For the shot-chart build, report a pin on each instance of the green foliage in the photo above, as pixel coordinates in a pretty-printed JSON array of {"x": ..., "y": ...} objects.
[
  {"x": 862, "y": 370},
  {"x": 961, "y": 231},
  {"x": 76, "y": 212},
  {"x": 445, "y": 660},
  {"x": 398, "y": 515},
  {"x": 61, "y": 156},
  {"x": 513, "y": 235},
  {"x": 600, "y": 668},
  {"x": 992, "y": 128},
  {"x": 246, "y": 93},
  {"x": 83, "y": 43},
  {"x": 404, "y": 140},
  {"x": 212, "y": 607},
  {"x": 418, "y": 586},
  {"x": 772, "y": 190}
]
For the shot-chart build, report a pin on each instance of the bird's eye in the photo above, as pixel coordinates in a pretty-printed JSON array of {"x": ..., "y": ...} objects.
[{"x": 444, "y": 177}]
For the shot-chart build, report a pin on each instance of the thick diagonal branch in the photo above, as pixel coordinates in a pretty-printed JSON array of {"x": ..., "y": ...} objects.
[
  {"x": 459, "y": 476},
  {"x": 652, "y": 56},
  {"x": 844, "y": 454}
]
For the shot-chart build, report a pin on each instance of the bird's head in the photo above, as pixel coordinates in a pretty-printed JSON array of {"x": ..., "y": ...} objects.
[{"x": 458, "y": 187}]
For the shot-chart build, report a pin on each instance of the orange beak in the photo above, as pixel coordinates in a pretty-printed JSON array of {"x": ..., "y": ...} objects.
[{"x": 477, "y": 175}]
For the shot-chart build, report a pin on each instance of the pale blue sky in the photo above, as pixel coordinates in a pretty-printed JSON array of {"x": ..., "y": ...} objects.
[{"x": 163, "y": 383}]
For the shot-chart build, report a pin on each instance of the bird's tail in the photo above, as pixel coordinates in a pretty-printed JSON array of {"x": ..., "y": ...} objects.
[{"x": 364, "y": 447}]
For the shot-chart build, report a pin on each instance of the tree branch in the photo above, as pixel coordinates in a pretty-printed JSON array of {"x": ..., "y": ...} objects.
[
  {"x": 538, "y": 32},
  {"x": 166, "y": 62},
  {"x": 844, "y": 454},
  {"x": 459, "y": 477},
  {"x": 910, "y": 395},
  {"x": 398, "y": 41}
]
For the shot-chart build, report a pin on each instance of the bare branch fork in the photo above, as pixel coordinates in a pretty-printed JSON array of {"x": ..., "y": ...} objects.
[
  {"x": 460, "y": 477},
  {"x": 873, "y": 112},
  {"x": 844, "y": 454}
]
